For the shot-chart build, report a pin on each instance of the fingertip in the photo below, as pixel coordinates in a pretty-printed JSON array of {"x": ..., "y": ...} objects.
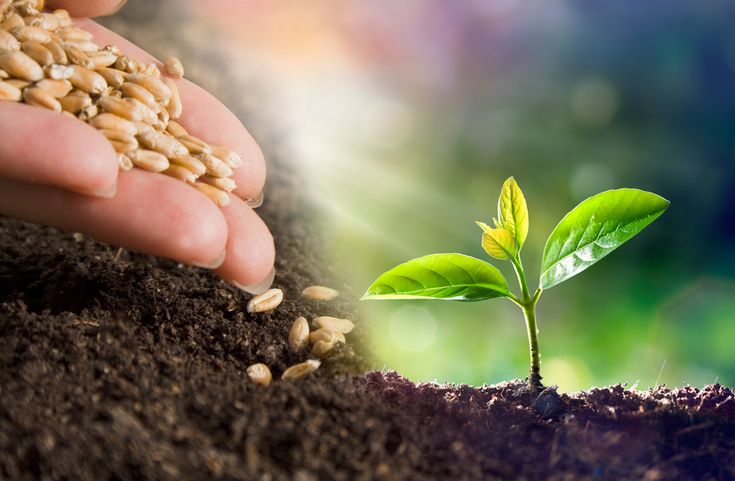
[{"x": 250, "y": 249}]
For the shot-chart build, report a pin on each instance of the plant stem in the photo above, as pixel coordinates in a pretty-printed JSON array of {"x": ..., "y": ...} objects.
[{"x": 528, "y": 305}]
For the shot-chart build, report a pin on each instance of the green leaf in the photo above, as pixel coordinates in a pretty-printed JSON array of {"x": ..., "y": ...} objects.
[
  {"x": 513, "y": 211},
  {"x": 451, "y": 277},
  {"x": 594, "y": 228},
  {"x": 498, "y": 243}
]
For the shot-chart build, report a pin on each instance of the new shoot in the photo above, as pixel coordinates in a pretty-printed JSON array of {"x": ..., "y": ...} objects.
[{"x": 592, "y": 230}]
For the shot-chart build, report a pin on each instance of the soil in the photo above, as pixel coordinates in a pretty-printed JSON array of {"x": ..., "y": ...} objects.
[{"x": 120, "y": 366}]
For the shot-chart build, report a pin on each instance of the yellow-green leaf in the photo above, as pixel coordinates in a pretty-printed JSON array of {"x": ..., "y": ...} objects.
[
  {"x": 499, "y": 243},
  {"x": 513, "y": 211}
]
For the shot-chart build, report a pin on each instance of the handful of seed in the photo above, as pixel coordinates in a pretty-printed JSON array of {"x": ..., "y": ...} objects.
[{"x": 46, "y": 62}]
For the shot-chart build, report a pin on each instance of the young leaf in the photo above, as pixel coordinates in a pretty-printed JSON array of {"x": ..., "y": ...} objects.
[
  {"x": 499, "y": 243},
  {"x": 513, "y": 211},
  {"x": 593, "y": 229},
  {"x": 452, "y": 277}
]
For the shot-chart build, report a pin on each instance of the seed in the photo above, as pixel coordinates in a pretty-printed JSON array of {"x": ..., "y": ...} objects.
[
  {"x": 163, "y": 117},
  {"x": 151, "y": 69},
  {"x": 88, "y": 80},
  {"x": 321, "y": 349},
  {"x": 20, "y": 65},
  {"x": 335, "y": 324},
  {"x": 194, "y": 144},
  {"x": 38, "y": 52},
  {"x": 89, "y": 113},
  {"x": 120, "y": 136},
  {"x": 112, "y": 49},
  {"x": 74, "y": 34},
  {"x": 99, "y": 60},
  {"x": 57, "y": 51},
  {"x": 123, "y": 147},
  {"x": 86, "y": 47},
  {"x": 160, "y": 142},
  {"x": 155, "y": 86},
  {"x": 18, "y": 83},
  {"x": 75, "y": 55},
  {"x": 12, "y": 22},
  {"x": 127, "y": 64},
  {"x": 25, "y": 33},
  {"x": 188, "y": 162},
  {"x": 8, "y": 42},
  {"x": 64, "y": 17},
  {"x": 124, "y": 162},
  {"x": 224, "y": 183},
  {"x": 216, "y": 167},
  {"x": 174, "y": 128},
  {"x": 266, "y": 301},
  {"x": 326, "y": 335},
  {"x": 47, "y": 21},
  {"x": 10, "y": 92},
  {"x": 220, "y": 197},
  {"x": 319, "y": 293},
  {"x": 113, "y": 76},
  {"x": 259, "y": 374},
  {"x": 59, "y": 72},
  {"x": 122, "y": 108},
  {"x": 181, "y": 173},
  {"x": 57, "y": 88},
  {"x": 148, "y": 160},
  {"x": 139, "y": 93},
  {"x": 75, "y": 103},
  {"x": 173, "y": 67},
  {"x": 41, "y": 98},
  {"x": 231, "y": 157},
  {"x": 108, "y": 121},
  {"x": 302, "y": 369},
  {"x": 298, "y": 336},
  {"x": 146, "y": 114},
  {"x": 174, "y": 106}
]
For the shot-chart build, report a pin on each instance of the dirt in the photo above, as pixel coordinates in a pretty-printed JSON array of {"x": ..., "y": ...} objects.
[{"x": 119, "y": 366}]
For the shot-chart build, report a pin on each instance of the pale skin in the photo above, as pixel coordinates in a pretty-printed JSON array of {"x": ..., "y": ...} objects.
[{"x": 61, "y": 172}]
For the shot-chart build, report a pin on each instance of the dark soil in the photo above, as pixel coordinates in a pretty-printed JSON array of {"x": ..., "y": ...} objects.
[
  {"x": 119, "y": 366},
  {"x": 125, "y": 367}
]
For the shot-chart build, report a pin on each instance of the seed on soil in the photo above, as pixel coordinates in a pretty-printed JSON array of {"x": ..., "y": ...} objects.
[
  {"x": 43, "y": 57},
  {"x": 326, "y": 335},
  {"x": 335, "y": 324},
  {"x": 319, "y": 293},
  {"x": 173, "y": 67},
  {"x": 259, "y": 374},
  {"x": 266, "y": 301},
  {"x": 301, "y": 369},
  {"x": 298, "y": 336},
  {"x": 322, "y": 348}
]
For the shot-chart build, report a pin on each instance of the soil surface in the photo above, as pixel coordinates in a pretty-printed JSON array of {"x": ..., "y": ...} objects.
[{"x": 120, "y": 366}]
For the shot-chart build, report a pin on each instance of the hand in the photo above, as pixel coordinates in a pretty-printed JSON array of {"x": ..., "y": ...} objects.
[{"x": 61, "y": 172}]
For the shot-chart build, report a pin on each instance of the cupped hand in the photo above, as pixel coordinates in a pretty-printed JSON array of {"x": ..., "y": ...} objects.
[{"x": 59, "y": 171}]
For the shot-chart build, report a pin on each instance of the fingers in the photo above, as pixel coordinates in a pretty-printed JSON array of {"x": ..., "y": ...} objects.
[
  {"x": 250, "y": 252},
  {"x": 87, "y": 8},
  {"x": 150, "y": 213},
  {"x": 204, "y": 116},
  {"x": 41, "y": 146}
]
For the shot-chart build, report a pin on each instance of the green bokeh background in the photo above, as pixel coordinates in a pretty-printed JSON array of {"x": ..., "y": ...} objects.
[{"x": 571, "y": 98}]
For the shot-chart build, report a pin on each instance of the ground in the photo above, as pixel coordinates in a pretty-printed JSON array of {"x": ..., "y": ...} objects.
[{"x": 120, "y": 366}]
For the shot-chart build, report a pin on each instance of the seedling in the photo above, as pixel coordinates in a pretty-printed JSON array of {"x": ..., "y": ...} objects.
[{"x": 592, "y": 230}]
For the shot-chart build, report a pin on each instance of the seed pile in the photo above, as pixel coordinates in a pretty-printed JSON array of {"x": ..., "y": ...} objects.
[
  {"x": 48, "y": 63},
  {"x": 328, "y": 333}
]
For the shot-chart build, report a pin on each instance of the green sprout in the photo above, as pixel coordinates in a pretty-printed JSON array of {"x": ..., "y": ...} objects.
[{"x": 592, "y": 230}]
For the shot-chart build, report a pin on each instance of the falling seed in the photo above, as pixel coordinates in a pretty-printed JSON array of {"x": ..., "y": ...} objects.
[
  {"x": 298, "y": 336},
  {"x": 326, "y": 335},
  {"x": 266, "y": 301},
  {"x": 334, "y": 324},
  {"x": 319, "y": 293},
  {"x": 301, "y": 369}
]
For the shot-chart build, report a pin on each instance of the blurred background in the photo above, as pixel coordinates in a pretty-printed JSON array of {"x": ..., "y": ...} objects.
[{"x": 405, "y": 118}]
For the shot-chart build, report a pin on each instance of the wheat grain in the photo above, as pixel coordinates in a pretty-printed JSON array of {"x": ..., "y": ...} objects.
[
  {"x": 266, "y": 301},
  {"x": 319, "y": 293},
  {"x": 259, "y": 374},
  {"x": 335, "y": 324},
  {"x": 298, "y": 336},
  {"x": 302, "y": 369},
  {"x": 173, "y": 67}
]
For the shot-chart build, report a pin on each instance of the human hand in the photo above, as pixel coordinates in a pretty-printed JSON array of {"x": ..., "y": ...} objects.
[{"x": 61, "y": 172}]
